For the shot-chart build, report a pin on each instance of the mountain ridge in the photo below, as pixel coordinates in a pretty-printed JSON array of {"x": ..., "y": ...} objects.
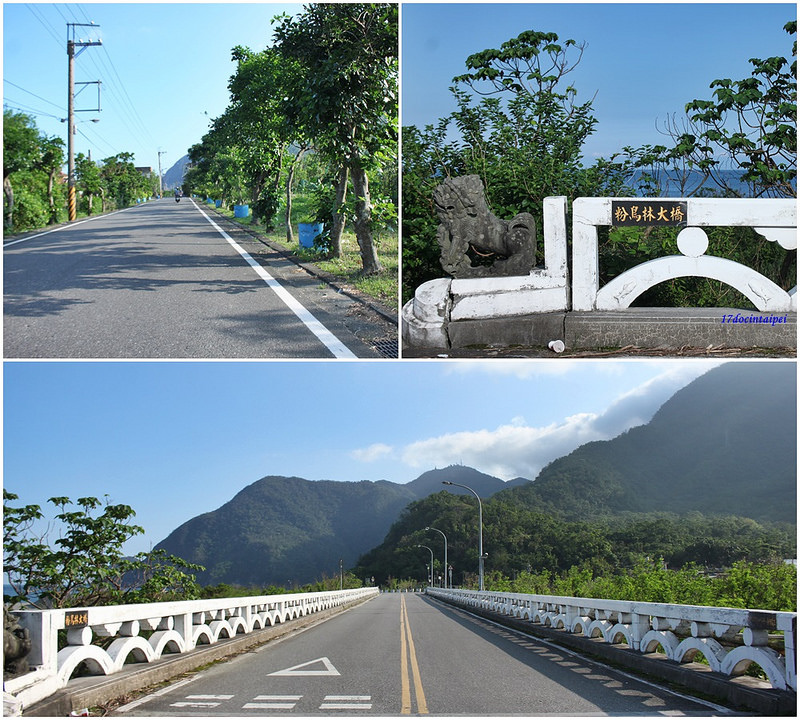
[{"x": 290, "y": 530}]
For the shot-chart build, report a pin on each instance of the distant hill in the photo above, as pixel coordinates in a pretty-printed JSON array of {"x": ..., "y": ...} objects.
[
  {"x": 725, "y": 444},
  {"x": 174, "y": 176},
  {"x": 431, "y": 482},
  {"x": 290, "y": 530}
]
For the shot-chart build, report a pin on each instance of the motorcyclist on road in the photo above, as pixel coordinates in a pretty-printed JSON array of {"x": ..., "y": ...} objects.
[{"x": 178, "y": 194}]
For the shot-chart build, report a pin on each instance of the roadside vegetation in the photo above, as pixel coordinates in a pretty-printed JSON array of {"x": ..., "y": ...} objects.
[
  {"x": 309, "y": 202},
  {"x": 520, "y": 126},
  {"x": 34, "y": 186},
  {"x": 310, "y": 133}
]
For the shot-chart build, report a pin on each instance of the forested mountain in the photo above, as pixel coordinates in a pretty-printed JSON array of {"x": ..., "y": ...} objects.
[
  {"x": 725, "y": 444},
  {"x": 707, "y": 479},
  {"x": 288, "y": 530}
]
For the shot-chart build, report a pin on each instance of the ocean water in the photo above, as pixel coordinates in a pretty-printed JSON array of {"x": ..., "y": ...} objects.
[{"x": 694, "y": 184}]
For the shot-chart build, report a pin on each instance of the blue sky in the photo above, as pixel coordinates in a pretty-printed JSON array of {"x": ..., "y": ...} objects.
[
  {"x": 163, "y": 66},
  {"x": 177, "y": 439},
  {"x": 644, "y": 61}
]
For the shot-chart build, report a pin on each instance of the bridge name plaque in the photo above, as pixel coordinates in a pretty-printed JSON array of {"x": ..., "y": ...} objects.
[
  {"x": 648, "y": 213},
  {"x": 76, "y": 618}
]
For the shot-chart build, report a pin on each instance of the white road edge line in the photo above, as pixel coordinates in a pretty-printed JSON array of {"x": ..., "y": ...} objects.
[
  {"x": 157, "y": 693},
  {"x": 567, "y": 651},
  {"x": 325, "y": 336}
]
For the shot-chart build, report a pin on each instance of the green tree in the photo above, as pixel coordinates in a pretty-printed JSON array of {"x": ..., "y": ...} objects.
[
  {"x": 123, "y": 182},
  {"x": 750, "y": 125},
  {"x": 51, "y": 162},
  {"x": 21, "y": 151},
  {"x": 348, "y": 101},
  {"x": 519, "y": 126},
  {"x": 85, "y": 565},
  {"x": 89, "y": 180}
]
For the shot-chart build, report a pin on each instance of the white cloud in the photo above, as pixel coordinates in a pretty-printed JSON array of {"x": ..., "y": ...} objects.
[
  {"x": 518, "y": 450},
  {"x": 376, "y": 451}
]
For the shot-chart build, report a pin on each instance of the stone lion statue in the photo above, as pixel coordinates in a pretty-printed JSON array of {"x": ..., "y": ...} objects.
[
  {"x": 16, "y": 645},
  {"x": 475, "y": 243}
]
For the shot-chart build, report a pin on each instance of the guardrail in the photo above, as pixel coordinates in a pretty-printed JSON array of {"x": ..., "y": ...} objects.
[
  {"x": 730, "y": 639},
  {"x": 146, "y": 632}
]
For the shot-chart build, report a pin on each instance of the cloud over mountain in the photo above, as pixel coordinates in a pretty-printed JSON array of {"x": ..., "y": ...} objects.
[{"x": 517, "y": 449}]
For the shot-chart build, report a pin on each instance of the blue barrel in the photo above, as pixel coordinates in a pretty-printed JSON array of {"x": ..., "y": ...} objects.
[
  {"x": 307, "y": 232},
  {"x": 218, "y": 203},
  {"x": 241, "y": 211},
  {"x": 209, "y": 201}
]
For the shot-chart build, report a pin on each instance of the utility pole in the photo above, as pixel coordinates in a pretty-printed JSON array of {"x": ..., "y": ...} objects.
[
  {"x": 160, "y": 188},
  {"x": 71, "y": 55}
]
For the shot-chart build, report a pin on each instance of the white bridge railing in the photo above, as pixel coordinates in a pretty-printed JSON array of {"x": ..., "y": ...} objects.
[
  {"x": 774, "y": 219},
  {"x": 146, "y": 632},
  {"x": 730, "y": 639}
]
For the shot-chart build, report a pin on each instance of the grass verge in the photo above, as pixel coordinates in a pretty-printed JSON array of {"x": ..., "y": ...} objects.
[{"x": 383, "y": 287}]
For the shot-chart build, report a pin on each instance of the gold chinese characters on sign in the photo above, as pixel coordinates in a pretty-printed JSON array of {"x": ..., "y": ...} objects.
[
  {"x": 648, "y": 212},
  {"x": 76, "y": 618}
]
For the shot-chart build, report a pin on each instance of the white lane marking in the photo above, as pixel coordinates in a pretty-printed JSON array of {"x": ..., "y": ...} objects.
[
  {"x": 346, "y": 702},
  {"x": 194, "y": 704},
  {"x": 209, "y": 697},
  {"x": 66, "y": 227},
  {"x": 298, "y": 669},
  {"x": 326, "y": 337},
  {"x": 272, "y": 702},
  {"x": 163, "y": 691}
]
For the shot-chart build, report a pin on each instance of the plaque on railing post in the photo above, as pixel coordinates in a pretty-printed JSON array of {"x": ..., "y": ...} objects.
[{"x": 648, "y": 213}]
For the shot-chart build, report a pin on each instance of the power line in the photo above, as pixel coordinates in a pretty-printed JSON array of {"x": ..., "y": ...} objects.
[
  {"x": 94, "y": 142},
  {"x": 26, "y": 108},
  {"x": 34, "y": 94},
  {"x": 46, "y": 25}
]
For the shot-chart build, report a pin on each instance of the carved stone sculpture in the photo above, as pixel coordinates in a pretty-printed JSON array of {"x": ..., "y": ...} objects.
[
  {"x": 475, "y": 243},
  {"x": 16, "y": 646}
]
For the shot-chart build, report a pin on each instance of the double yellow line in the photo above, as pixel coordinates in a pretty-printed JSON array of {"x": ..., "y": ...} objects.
[{"x": 408, "y": 657}]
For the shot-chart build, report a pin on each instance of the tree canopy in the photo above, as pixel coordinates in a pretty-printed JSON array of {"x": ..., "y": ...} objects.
[{"x": 328, "y": 85}]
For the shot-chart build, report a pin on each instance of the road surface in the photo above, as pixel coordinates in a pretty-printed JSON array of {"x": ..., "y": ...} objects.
[
  {"x": 163, "y": 280},
  {"x": 407, "y": 654}
]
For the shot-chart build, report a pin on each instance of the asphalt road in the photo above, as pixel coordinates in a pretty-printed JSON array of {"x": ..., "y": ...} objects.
[
  {"x": 407, "y": 654},
  {"x": 161, "y": 281}
]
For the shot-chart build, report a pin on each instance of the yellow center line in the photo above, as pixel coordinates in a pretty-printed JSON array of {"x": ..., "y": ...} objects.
[
  {"x": 409, "y": 655},
  {"x": 405, "y": 689}
]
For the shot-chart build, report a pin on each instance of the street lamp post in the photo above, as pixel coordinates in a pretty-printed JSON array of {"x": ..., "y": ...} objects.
[
  {"x": 445, "y": 548},
  {"x": 430, "y": 578},
  {"x": 481, "y": 556}
]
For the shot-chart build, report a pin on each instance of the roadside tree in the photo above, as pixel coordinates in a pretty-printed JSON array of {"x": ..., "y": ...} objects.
[
  {"x": 85, "y": 565},
  {"x": 348, "y": 100}
]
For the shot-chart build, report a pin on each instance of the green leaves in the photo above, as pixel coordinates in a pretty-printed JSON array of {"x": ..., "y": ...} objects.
[
  {"x": 753, "y": 124},
  {"x": 85, "y": 564}
]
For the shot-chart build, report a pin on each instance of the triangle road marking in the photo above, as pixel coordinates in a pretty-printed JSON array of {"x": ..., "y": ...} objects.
[{"x": 300, "y": 669}]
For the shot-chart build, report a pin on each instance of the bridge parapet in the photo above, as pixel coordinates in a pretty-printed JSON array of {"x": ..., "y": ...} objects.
[
  {"x": 730, "y": 639},
  {"x": 145, "y": 632}
]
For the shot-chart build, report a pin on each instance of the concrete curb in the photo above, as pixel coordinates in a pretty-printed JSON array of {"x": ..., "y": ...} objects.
[
  {"x": 704, "y": 683},
  {"x": 97, "y": 690}
]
